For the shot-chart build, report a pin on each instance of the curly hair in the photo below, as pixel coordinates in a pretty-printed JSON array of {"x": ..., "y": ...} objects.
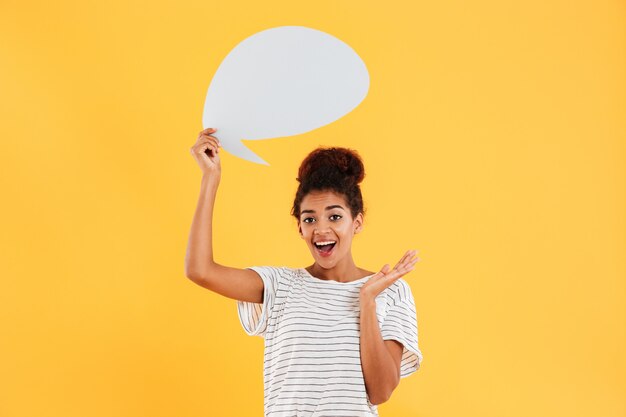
[{"x": 331, "y": 169}]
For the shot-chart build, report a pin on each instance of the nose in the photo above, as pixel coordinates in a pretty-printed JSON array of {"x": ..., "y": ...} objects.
[{"x": 319, "y": 230}]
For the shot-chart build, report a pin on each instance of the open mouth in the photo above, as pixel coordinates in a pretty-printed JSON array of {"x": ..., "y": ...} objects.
[{"x": 325, "y": 248}]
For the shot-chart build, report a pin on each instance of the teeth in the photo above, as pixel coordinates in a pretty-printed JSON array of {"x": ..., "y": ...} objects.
[{"x": 324, "y": 243}]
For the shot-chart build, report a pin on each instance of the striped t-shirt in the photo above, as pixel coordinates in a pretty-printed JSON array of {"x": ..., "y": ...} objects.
[{"x": 312, "y": 357}]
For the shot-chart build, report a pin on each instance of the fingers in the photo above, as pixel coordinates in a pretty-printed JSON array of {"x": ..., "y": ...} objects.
[
  {"x": 381, "y": 274},
  {"x": 408, "y": 255},
  {"x": 209, "y": 144},
  {"x": 207, "y": 130},
  {"x": 386, "y": 277},
  {"x": 404, "y": 266},
  {"x": 206, "y": 141},
  {"x": 404, "y": 262},
  {"x": 206, "y": 134},
  {"x": 205, "y": 138},
  {"x": 202, "y": 145}
]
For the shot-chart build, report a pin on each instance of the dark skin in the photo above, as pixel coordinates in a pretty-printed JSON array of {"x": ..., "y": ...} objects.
[
  {"x": 325, "y": 216},
  {"x": 381, "y": 360}
]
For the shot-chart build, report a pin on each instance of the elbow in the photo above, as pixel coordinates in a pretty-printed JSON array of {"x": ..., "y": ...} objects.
[
  {"x": 190, "y": 273},
  {"x": 379, "y": 400},
  {"x": 201, "y": 276},
  {"x": 383, "y": 397},
  {"x": 196, "y": 277},
  {"x": 200, "y": 280},
  {"x": 196, "y": 273},
  {"x": 198, "y": 267}
]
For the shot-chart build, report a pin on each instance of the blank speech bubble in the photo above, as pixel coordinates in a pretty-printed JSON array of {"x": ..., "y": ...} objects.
[{"x": 279, "y": 82}]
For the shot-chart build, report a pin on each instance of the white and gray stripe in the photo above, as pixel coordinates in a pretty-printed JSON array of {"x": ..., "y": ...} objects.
[{"x": 310, "y": 326}]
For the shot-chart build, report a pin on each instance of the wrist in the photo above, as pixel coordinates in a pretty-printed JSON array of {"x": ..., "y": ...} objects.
[
  {"x": 367, "y": 302},
  {"x": 212, "y": 178}
]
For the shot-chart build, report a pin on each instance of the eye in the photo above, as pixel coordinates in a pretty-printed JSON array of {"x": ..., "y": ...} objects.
[
  {"x": 338, "y": 215},
  {"x": 305, "y": 220}
]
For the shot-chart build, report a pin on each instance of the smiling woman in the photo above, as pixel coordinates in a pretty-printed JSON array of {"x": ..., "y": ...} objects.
[
  {"x": 338, "y": 337},
  {"x": 329, "y": 209}
]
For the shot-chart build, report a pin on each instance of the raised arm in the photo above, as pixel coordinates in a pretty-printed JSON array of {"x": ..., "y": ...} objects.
[{"x": 200, "y": 267}]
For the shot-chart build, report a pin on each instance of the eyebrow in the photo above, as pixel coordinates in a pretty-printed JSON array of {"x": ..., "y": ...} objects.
[{"x": 327, "y": 208}]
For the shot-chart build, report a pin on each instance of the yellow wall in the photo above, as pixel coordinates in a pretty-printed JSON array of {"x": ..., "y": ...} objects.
[{"x": 494, "y": 141}]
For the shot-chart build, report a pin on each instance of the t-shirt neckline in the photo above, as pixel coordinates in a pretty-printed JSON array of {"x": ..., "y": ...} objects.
[{"x": 310, "y": 277}]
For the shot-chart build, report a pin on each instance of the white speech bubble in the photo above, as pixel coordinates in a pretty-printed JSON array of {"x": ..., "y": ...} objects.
[{"x": 280, "y": 82}]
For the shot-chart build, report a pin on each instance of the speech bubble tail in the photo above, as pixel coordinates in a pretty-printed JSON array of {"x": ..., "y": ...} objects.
[{"x": 237, "y": 148}]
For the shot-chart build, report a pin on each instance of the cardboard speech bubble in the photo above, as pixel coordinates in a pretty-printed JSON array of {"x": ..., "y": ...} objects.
[{"x": 279, "y": 82}]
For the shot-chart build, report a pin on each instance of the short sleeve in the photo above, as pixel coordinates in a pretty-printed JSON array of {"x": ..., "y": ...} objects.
[
  {"x": 400, "y": 324},
  {"x": 254, "y": 316}
]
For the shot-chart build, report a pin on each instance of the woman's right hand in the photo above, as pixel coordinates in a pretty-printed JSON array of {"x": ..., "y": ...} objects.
[{"x": 206, "y": 153}]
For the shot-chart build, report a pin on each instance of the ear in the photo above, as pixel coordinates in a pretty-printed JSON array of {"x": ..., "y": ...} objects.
[
  {"x": 300, "y": 230},
  {"x": 358, "y": 223}
]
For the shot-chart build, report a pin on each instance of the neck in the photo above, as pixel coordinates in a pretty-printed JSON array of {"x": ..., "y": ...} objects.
[{"x": 344, "y": 271}]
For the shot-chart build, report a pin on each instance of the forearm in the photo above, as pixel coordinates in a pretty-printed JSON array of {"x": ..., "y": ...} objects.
[
  {"x": 199, "y": 257},
  {"x": 379, "y": 368}
]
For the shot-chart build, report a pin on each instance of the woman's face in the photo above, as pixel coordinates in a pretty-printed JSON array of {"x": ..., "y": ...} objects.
[{"x": 325, "y": 217}]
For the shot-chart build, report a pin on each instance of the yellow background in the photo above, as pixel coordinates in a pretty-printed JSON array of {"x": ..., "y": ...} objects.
[{"x": 494, "y": 142}]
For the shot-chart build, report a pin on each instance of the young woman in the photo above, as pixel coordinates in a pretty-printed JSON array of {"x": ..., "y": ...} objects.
[{"x": 338, "y": 338}]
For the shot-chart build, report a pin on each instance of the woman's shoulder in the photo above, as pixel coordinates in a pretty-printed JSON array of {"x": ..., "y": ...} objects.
[
  {"x": 280, "y": 271},
  {"x": 401, "y": 291}
]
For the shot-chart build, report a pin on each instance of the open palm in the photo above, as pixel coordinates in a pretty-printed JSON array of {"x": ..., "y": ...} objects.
[{"x": 385, "y": 277}]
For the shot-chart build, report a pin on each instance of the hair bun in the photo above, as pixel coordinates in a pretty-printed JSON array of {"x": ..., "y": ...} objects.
[
  {"x": 339, "y": 170},
  {"x": 325, "y": 166}
]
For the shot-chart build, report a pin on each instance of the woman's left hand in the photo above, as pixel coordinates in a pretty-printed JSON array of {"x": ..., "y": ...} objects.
[{"x": 385, "y": 277}]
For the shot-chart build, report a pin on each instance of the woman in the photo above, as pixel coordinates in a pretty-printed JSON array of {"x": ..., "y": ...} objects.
[{"x": 338, "y": 338}]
